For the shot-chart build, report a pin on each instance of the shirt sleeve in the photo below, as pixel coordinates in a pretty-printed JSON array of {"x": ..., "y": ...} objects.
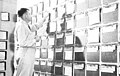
[{"x": 24, "y": 38}]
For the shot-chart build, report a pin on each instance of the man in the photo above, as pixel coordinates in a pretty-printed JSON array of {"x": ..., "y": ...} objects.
[{"x": 25, "y": 38}]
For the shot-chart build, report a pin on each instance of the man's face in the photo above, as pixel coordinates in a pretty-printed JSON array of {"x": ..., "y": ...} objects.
[{"x": 28, "y": 16}]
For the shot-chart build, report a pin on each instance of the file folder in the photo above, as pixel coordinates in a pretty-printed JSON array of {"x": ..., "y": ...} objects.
[
  {"x": 53, "y": 26},
  {"x": 44, "y": 54},
  {"x": 34, "y": 10},
  {"x": 92, "y": 70},
  {"x": 79, "y": 54},
  {"x": 3, "y": 55},
  {"x": 93, "y": 54},
  {"x": 93, "y": 35},
  {"x": 53, "y": 3},
  {"x": 2, "y": 66},
  {"x": 2, "y": 73},
  {"x": 82, "y": 5},
  {"x": 110, "y": 13},
  {"x": 94, "y": 3},
  {"x": 108, "y": 70},
  {"x": 108, "y": 1},
  {"x": 36, "y": 65},
  {"x": 36, "y": 73},
  {"x": 59, "y": 54},
  {"x": 43, "y": 66},
  {"x": 79, "y": 69},
  {"x": 80, "y": 38},
  {"x": 44, "y": 41},
  {"x": 110, "y": 33},
  {"x": 109, "y": 53},
  {"x": 70, "y": 24},
  {"x": 60, "y": 11},
  {"x": 46, "y": 4},
  {"x": 60, "y": 39},
  {"x": 50, "y": 67},
  {"x": 40, "y": 7},
  {"x": 68, "y": 38},
  {"x": 67, "y": 69},
  {"x": 53, "y": 14},
  {"x": 3, "y": 35},
  {"x": 3, "y": 45},
  {"x": 68, "y": 53},
  {"x": 51, "y": 53},
  {"x": 37, "y": 53},
  {"x": 94, "y": 16},
  {"x": 81, "y": 20},
  {"x": 51, "y": 40},
  {"x": 70, "y": 7},
  {"x": 58, "y": 69}
]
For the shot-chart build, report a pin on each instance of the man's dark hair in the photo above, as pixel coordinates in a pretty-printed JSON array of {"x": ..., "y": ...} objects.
[{"x": 22, "y": 11}]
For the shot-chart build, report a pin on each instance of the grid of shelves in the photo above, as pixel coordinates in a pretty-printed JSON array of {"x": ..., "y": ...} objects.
[
  {"x": 82, "y": 38},
  {"x": 3, "y": 51}
]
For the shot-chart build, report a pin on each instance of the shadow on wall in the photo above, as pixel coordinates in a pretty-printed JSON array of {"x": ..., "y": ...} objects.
[{"x": 12, "y": 45}]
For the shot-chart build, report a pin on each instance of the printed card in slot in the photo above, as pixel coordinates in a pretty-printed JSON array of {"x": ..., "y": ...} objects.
[
  {"x": 92, "y": 67},
  {"x": 68, "y": 53},
  {"x": 58, "y": 69},
  {"x": 43, "y": 66},
  {"x": 82, "y": 5},
  {"x": 68, "y": 70},
  {"x": 93, "y": 35},
  {"x": 110, "y": 13},
  {"x": 93, "y": 54},
  {"x": 59, "y": 54},
  {"x": 70, "y": 24},
  {"x": 40, "y": 7},
  {"x": 2, "y": 66},
  {"x": 44, "y": 54},
  {"x": 60, "y": 39},
  {"x": 79, "y": 69},
  {"x": 37, "y": 53},
  {"x": 53, "y": 26},
  {"x": 70, "y": 7},
  {"x": 68, "y": 38},
  {"x": 3, "y": 35},
  {"x": 108, "y": 1},
  {"x": 80, "y": 38},
  {"x": 36, "y": 73},
  {"x": 108, "y": 70},
  {"x": 3, "y": 45},
  {"x": 94, "y": 16},
  {"x": 3, "y": 55},
  {"x": 50, "y": 67},
  {"x": 36, "y": 65},
  {"x": 109, "y": 53},
  {"x": 50, "y": 53},
  {"x": 34, "y": 10},
  {"x": 2, "y": 73},
  {"x": 53, "y": 3},
  {"x": 61, "y": 11},
  {"x": 110, "y": 33},
  {"x": 79, "y": 54},
  {"x": 81, "y": 20},
  {"x": 46, "y": 4},
  {"x": 94, "y": 3}
]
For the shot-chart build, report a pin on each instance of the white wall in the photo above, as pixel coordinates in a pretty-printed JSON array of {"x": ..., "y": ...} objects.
[{"x": 26, "y": 3}]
